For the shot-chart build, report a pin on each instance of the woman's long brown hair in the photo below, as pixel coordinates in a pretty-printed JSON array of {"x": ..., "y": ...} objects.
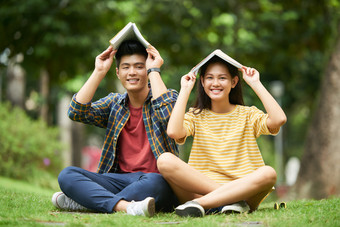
[{"x": 203, "y": 101}]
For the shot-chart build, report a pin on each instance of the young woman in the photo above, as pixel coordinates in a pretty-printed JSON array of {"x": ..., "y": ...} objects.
[{"x": 225, "y": 169}]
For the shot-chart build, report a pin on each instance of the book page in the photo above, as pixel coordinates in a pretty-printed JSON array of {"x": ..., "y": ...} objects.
[
  {"x": 227, "y": 58},
  {"x": 220, "y": 54},
  {"x": 121, "y": 35},
  {"x": 130, "y": 31},
  {"x": 198, "y": 66},
  {"x": 140, "y": 37}
]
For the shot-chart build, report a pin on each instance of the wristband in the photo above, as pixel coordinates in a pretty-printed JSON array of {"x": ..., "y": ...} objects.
[{"x": 154, "y": 70}]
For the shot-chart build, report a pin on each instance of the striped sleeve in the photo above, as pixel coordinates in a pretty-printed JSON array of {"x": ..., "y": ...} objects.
[
  {"x": 189, "y": 126},
  {"x": 259, "y": 120}
]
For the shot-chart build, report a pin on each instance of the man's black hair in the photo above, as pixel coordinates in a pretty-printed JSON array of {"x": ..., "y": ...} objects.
[{"x": 130, "y": 47}]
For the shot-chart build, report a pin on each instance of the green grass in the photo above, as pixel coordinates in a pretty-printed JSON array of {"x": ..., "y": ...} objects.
[{"x": 25, "y": 205}]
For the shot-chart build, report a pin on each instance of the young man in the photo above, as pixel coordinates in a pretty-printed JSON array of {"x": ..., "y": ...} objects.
[{"x": 135, "y": 124}]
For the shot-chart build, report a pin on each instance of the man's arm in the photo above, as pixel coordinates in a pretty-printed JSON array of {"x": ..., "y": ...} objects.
[
  {"x": 155, "y": 60},
  {"x": 102, "y": 66}
]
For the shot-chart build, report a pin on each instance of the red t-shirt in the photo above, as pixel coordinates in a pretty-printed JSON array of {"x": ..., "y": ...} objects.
[{"x": 135, "y": 153}]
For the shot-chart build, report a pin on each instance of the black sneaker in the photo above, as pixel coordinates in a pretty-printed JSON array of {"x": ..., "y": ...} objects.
[{"x": 190, "y": 209}]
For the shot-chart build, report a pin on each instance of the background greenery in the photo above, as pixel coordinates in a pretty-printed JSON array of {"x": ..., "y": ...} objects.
[
  {"x": 29, "y": 149},
  {"x": 288, "y": 41}
]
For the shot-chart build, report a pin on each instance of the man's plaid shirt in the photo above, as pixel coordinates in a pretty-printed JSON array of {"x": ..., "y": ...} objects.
[{"x": 112, "y": 112}]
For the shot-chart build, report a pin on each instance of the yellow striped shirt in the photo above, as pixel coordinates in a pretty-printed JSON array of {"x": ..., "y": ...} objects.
[{"x": 224, "y": 146}]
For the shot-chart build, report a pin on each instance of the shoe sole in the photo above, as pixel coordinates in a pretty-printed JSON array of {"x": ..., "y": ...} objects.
[
  {"x": 235, "y": 209},
  {"x": 151, "y": 207},
  {"x": 230, "y": 212},
  {"x": 189, "y": 212}
]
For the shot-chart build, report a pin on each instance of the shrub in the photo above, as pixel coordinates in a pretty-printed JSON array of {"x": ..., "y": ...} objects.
[{"x": 29, "y": 149}]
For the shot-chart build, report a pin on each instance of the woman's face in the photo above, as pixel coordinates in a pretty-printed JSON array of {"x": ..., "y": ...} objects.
[{"x": 217, "y": 82}]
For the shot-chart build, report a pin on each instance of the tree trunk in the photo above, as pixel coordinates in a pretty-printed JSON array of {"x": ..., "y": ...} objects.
[
  {"x": 16, "y": 83},
  {"x": 319, "y": 175},
  {"x": 65, "y": 126},
  {"x": 77, "y": 130},
  {"x": 44, "y": 92}
]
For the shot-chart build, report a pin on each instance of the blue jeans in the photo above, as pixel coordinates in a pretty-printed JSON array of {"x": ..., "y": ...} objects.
[{"x": 101, "y": 192}]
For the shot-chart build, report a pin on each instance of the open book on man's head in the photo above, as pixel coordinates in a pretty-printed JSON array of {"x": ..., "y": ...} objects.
[
  {"x": 220, "y": 54},
  {"x": 130, "y": 31}
]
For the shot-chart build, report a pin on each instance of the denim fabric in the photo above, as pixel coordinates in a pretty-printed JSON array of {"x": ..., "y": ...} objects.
[{"x": 101, "y": 192}]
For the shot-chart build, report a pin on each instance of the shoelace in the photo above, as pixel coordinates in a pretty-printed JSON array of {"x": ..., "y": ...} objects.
[{"x": 73, "y": 205}]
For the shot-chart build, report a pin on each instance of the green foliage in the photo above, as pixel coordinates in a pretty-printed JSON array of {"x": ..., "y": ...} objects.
[
  {"x": 25, "y": 205},
  {"x": 29, "y": 149},
  {"x": 284, "y": 40},
  {"x": 289, "y": 41}
]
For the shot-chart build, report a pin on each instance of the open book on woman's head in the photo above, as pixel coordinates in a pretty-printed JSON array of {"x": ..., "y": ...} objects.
[{"x": 220, "y": 54}]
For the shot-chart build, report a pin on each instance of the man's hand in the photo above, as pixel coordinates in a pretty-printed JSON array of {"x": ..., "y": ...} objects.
[
  {"x": 104, "y": 60},
  {"x": 102, "y": 66},
  {"x": 154, "y": 59}
]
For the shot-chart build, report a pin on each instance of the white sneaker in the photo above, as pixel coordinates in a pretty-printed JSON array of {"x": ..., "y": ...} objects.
[
  {"x": 61, "y": 201},
  {"x": 145, "y": 207},
  {"x": 190, "y": 209},
  {"x": 239, "y": 207}
]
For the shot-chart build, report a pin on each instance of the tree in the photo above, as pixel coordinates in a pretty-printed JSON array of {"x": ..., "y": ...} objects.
[
  {"x": 320, "y": 170},
  {"x": 58, "y": 39},
  {"x": 284, "y": 40}
]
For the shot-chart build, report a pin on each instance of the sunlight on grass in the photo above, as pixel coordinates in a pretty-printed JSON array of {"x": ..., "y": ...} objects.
[{"x": 26, "y": 205}]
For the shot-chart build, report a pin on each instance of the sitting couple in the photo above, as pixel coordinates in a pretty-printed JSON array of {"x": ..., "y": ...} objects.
[{"x": 139, "y": 170}]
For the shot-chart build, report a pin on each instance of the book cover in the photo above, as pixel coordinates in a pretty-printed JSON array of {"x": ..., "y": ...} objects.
[
  {"x": 130, "y": 31},
  {"x": 220, "y": 54}
]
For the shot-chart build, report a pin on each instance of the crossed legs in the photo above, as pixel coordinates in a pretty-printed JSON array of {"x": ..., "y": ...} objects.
[
  {"x": 111, "y": 192},
  {"x": 190, "y": 184}
]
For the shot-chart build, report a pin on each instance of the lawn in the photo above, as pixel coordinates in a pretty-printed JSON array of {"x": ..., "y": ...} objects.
[{"x": 25, "y": 205}]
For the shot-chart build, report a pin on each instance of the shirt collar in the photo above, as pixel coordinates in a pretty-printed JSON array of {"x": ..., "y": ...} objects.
[{"x": 123, "y": 99}]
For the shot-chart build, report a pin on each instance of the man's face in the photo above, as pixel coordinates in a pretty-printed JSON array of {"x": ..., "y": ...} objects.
[{"x": 132, "y": 73}]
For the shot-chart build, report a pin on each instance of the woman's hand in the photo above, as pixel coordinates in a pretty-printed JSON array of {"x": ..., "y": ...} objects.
[
  {"x": 250, "y": 75},
  {"x": 188, "y": 81}
]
